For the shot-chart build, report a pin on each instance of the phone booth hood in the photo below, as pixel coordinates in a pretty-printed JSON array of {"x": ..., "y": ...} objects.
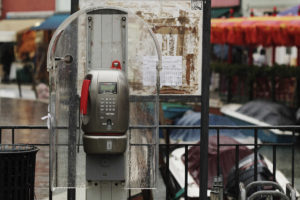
[{"x": 68, "y": 64}]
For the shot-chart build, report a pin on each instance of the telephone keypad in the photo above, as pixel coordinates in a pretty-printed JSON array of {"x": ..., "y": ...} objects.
[{"x": 107, "y": 107}]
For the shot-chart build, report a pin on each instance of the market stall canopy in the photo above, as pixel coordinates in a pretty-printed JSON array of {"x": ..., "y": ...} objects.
[
  {"x": 9, "y": 28},
  {"x": 266, "y": 31},
  {"x": 51, "y": 23},
  {"x": 223, "y": 4}
]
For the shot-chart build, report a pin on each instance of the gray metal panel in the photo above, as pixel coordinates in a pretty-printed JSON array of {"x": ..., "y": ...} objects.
[
  {"x": 124, "y": 36},
  {"x": 104, "y": 144},
  {"x": 106, "y": 191},
  {"x": 117, "y": 38},
  {"x": 106, "y": 40},
  {"x": 96, "y": 42},
  {"x": 105, "y": 167}
]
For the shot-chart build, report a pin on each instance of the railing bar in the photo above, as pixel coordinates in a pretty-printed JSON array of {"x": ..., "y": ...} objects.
[
  {"x": 181, "y": 145},
  {"x": 13, "y": 136},
  {"x": 210, "y": 127},
  {"x": 237, "y": 177},
  {"x": 50, "y": 193},
  {"x": 293, "y": 158},
  {"x": 218, "y": 152},
  {"x": 151, "y": 144},
  {"x": 23, "y": 127},
  {"x": 178, "y": 145},
  {"x": 186, "y": 157},
  {"x": 171, "y": 126},
  {"x": 191, "y": 144},
  {"x": 274, "y": 163},
  {"x": 255, "y": 154},
  {"x": 167, "y": 165},
  {"x": 260, "y": 145}
]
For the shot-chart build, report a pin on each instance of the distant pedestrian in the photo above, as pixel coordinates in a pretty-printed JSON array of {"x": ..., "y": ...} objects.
[
  {"x": 260, "y": 60},
  {"x": 7, "y": 58}
]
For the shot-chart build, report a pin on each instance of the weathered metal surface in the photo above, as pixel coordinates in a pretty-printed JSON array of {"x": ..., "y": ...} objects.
[{"x": 178, "y": 29}]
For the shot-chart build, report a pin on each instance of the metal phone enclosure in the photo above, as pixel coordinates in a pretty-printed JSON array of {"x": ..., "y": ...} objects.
[{"x": 107, "y": 118}]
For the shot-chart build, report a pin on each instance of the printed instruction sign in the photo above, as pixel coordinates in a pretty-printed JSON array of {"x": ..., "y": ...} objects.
[{"x": 170, "y": 75}]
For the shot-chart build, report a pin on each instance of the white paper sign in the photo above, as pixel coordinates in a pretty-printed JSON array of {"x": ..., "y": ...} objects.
[{"x": 170, "y": 75}]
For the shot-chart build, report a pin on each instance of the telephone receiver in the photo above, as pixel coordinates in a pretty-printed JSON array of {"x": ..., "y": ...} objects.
[{"x": 84, "y": 96}]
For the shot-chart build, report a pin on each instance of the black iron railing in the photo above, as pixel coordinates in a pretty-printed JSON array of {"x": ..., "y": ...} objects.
[{"x": 166, "y": 149}]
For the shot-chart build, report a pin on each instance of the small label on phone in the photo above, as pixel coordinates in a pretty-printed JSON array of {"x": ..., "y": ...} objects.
[{"x": 109, "y": 145}]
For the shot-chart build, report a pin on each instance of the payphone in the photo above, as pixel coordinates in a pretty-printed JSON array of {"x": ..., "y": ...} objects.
[
  {"x": 92, "y": 145},
  {"x": 105, "y": 111}
]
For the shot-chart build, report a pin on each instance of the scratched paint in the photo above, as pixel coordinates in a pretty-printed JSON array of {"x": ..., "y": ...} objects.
[{"x": 179, "y": 32}]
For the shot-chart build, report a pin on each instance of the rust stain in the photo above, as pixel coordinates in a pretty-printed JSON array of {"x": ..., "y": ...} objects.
[
  {"x": 172, "y": 29},
  {"x": 172, "y": 45},
  {"x": 183, "y": 20},
  {"x": 189, "y": 67},
  {"x": 169, "y": 90},
  {"x": 180, "y": 44},
  {"x": 170, "y": 21},
  {"x": 195, "y": 30},
  {"x": 139, "y": 13},
  {"x": 166, "y": 29}
]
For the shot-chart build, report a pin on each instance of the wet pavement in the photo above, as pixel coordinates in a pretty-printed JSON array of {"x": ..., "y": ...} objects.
[
  {"x": 15, "y": 112},
  {"x": 12, "y": 91}
]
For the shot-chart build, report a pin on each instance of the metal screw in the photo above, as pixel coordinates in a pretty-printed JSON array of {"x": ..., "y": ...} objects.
[{"x": 124, "y": 19}]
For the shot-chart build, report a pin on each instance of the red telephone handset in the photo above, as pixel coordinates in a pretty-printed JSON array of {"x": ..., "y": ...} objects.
[{"x": 84, "y": 96}]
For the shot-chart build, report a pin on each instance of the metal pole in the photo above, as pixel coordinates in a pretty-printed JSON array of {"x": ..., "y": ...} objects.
[
  {"x": 255, "y": 154},
  {"x": 74, "y": 6},
  {"x": 273, "y": 55},
  {"x": 167, "y": 165},
  {"x": 274, "y": 163},
  {"x": 250, "y": 55},
  {"x": 298, "y": 56},
  {"x": 186, "y": 161},
  {"x": 71, "y": 194},
  {"x": 293, "y": 159},
  {"x": 237, "y": 173},
  {"x": 13, "y": 136},
  {"x": 205, "y": 99},
  {"x": 218, "y": 152}
]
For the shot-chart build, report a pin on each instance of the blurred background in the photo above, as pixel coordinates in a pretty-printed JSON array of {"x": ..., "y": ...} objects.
[{"x": 255, "y": 55}]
